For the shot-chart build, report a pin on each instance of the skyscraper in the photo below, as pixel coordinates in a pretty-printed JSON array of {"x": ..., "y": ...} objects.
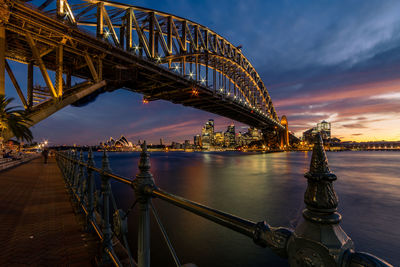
[
  {"x": 207, "y": 134},
  {"x": 230, "y": 136},
  {"x": 197, "y": 141},
  {"x": 324, "y": 128}
]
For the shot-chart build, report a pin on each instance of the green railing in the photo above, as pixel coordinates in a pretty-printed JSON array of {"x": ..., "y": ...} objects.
[{"x": 317, "y": 241}]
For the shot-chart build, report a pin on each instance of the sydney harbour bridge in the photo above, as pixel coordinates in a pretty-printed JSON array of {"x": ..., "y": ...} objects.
[{"x": 109, "y": 45}]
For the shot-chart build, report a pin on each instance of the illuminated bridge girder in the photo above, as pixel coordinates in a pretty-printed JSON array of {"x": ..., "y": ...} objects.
[{"x": 159, "y": 55}]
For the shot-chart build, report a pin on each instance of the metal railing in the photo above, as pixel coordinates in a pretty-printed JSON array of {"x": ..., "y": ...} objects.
[{"x": 317, "y": 241}]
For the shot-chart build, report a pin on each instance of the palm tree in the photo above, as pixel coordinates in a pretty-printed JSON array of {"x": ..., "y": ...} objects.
[{"x": 14, "y": 120}]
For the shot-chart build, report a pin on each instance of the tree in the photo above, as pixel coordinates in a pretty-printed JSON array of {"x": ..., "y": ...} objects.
[{"x": 14, "y": 120}]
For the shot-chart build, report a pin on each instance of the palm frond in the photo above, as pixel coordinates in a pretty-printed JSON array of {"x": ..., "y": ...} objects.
[{"x": 14, "y": 120}]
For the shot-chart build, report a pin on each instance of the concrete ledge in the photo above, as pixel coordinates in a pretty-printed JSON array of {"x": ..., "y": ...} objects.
[{"x": 7, "y": 163}]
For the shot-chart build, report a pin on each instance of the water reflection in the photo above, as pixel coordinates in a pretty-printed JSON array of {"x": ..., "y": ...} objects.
[{"x": 264, "y": 187}]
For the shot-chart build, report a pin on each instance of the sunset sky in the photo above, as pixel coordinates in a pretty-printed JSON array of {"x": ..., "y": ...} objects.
[{"x": 320, "y": 60}]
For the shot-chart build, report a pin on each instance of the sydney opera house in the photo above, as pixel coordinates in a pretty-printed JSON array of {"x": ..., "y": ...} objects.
[{"x": 121, "y": 144}]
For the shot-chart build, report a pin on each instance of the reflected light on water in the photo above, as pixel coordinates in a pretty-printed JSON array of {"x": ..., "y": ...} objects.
[{"x": 265, "y": 187}]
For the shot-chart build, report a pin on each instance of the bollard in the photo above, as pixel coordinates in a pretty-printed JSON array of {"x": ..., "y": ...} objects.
[{"x": 144, "y": 180}]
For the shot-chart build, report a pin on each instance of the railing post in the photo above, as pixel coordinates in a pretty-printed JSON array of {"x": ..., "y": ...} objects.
[
  {"x": 69, "y": 169},
  {"x": 319, "y": 240},
  {"x": 79, "y": 186},
  {"x": 144, "y": 180},
  {"x": 75, "y": 179},
  {"x": 90, "y": 188},
  {"x": 106, "y": 191}
]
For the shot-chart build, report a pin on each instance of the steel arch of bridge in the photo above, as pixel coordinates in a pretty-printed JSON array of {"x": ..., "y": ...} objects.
[
  {"x": 167, "y": 38},
  {"x": 160, "y": 55}
]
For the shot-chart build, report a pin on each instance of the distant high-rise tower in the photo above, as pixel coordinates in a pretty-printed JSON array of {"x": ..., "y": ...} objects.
[
  {"x": 324, "y": 128},
  {"x": 197, "y": 140},
  {"x": 207, "y": 134},
  {"x": 230, "y": 136}
]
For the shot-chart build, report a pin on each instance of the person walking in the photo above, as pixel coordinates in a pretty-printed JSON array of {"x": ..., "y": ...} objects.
[{"x": 45, "y": 154}]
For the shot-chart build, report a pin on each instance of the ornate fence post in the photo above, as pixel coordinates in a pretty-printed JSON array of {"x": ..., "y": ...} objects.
[
  {"x": 76, "y": 178},
  {"x": 79, "y": 185},
  {"x": 71, "y": 169},
  {"x": 319, "y": 240},
  {"x": 90, "y": 188},
  {"x": 106, "y": 191},
  {"x": 68, "y": 167},
  {"x": 144, "y": 179}
]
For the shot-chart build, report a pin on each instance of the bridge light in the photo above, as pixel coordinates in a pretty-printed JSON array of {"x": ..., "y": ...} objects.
[
  {"x": 158, "y": 59},
  {"x": 191, "y": 74},
  {"x": 229, "y": 93},
  {"x": 221, "y": 89},
  {"x": 203, "y": 80},
  {"x": 176, "y": 68},
  {"x": 145, "y": 101},
  {"x": 234, "y": 97},
  {"x": 136, "y": 47},
  {"x": 106, "y": 34},
  {"x": 195, "y": 92}
]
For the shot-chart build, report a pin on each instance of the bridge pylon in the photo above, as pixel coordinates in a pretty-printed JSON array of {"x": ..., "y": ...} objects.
[{"x": 284, "y": 134}]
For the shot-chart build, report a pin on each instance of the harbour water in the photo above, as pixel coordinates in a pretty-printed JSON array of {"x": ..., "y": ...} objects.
[{"x": 262, "y": 187}]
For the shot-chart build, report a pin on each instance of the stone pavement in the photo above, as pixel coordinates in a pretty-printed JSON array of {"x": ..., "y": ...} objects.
[{"x": 38, "y": 226}]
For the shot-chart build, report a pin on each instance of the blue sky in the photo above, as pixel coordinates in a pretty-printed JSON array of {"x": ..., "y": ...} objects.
[{"x": 332, "y": 60}]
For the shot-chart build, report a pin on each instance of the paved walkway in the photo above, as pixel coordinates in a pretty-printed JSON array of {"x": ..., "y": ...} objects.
[{"x": 37, "y": 224}]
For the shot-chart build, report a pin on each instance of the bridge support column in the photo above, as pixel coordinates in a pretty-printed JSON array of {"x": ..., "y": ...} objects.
[
  {"x": 284, "y": 135},
  {"x": 2, "y": 59},
  {"x": 59, "y": 70},
  {"x": 29, "y": 96}
]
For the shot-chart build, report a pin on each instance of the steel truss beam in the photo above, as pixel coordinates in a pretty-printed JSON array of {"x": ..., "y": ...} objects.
[
  {"x": 133, "y": 48},
  {"x": 152, "y": 27}
]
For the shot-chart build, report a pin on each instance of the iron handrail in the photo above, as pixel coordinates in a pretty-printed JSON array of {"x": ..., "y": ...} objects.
[
  {"x": 114, "y": 176},
  {"x": 230, "y": 221},
  {"x": 299, "y": 245}
]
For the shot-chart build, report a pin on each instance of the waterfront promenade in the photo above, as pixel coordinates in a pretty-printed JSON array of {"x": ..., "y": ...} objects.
[{"x": 38, "y": 225}]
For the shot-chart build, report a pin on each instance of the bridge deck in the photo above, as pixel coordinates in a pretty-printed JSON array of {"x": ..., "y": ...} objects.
[{"x": 38, "y": 225}]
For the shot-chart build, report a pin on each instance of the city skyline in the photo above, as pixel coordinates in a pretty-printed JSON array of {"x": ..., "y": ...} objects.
[{"x": 345, "y": 71}]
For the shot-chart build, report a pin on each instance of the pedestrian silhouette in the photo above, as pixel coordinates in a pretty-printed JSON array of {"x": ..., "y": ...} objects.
[{"x": 45, "y": 154}]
